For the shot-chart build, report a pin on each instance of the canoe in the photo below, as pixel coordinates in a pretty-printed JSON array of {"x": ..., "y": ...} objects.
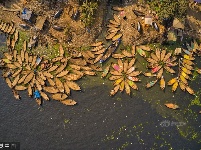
[
  {"x": 118, "y": 81},
  {"x": 40, "y": 80},
  {"x": 29, "y": 90},
  {"x": 144, "y": 47},
  {"x": 135, "y": 73},
  {"x": 20, "y": 87},
  {"x": 72, "y": 77},
  {"x": 61, "y": 68},
  {"x": 38, "y": 85},
  {"x": 69, "y": 102},
  {"x": 110, "y": 36},
  {"x": 187, "y": 66},
  {"x": 50, "y": 89},
  {"x": 116, "y": 18},
  {"x": 105, "y": 71},
  {"x": 188, "y": 57},
  {"x": 114, "y": 72},
  {"x": 76, "y": 67},
  {"x": 78, "y": 61},
  {"x": 183, "y": 79},
  {"x": 90, "y": 54},
  {"x": 186, "y": 61},
  {"x": 17, "y": 64},
  {"x": 141, "y": 52},
  {"x": 8, "y": 56},
  {"x": 51, "y": 82},
  {"x": 29, "y": 77},
  {"x": 15, "y": 80},
  {"x": 150, "y": 84},
  {"x": 158, "y": 54},
  {"x": 131, "y": 63},
  {"x": 66, "y": 88},
  {"x": 117, "y": 8},
  {"x": 130, "y": 70},
  {"x": 98, "y": 58},
  {"x": 90, "y": 73},
  {"x": 170, "y": 70},
  {"x": 118, "y": 56},
  {"x": 59, "y": 85},
  {"x": 13, "y": 30},
  {"x": 186, "y": 70},
  {"x": 63, "y": 73},
  {"x": 132, "y": 84},
  {"x": 167, "y": 56},
  {"x": 163, "y": 54},
  {"x": 96, "y": 67},
  {"x": 127, "y": 88},
  {"x": 162, "y": 83},
  {"x": 133, "y": 50},
  {"x": 110, "y": 49},
  {"x": 114, "y": 22},
  {"x": 149, "y": 74},
  {"x": 16, "y": 35},
  {"x": 16, "y": 73},
  {"x": 9, "y": 82},
  {"x": 22, "y": 78},
  {"x": 73, "y": 85},
  {"x": 11, "y": 66},
  {"x": 174, "y": 86},
  {"x": 182, "y": 86},
  {"x": 126, "y": 53},
  {"x": 61, "y": 51},
  {"x": 44, "y": 96},
  {"x": 86, "y": 68},
  {"x": 160, "y": 73},
  {"x": 156, "y": 68},
  {"x": 122, "y": 84},
  {"x": 189, "y": 90},
  {"x": 97, "y": 48},
  {"x": 117, "y": 37},
  {"x": 171, "y": 106},
  {"x": 172, "y": 81},
  {"x": 185, "y": 75},
  {"x": 114, "y": 77},
  {"x": 134, "y": 79},
  {"x": 59, "y": 96},
  {"x": 125, "y": 66},
  {"x": 57, "y": 59},
  {"x": 97, "y": 44},
  {"x": 53, "y": 68},
  {"x": 153, "y": 56},
  {"x": 115, "y": 90}
]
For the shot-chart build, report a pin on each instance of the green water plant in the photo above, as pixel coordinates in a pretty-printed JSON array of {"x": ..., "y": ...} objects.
[{"x": 87, "y": 12}]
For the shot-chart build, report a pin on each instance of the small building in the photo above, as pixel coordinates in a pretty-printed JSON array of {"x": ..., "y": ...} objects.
[
  {"x": 148, "y": 20},
  {"x": 26, "y": 15}
]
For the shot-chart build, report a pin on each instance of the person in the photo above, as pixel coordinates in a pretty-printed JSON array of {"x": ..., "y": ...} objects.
[{"x": 37, "y": 94}]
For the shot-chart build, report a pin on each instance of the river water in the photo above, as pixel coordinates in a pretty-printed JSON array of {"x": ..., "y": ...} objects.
[{"x": 98, "y": 121}]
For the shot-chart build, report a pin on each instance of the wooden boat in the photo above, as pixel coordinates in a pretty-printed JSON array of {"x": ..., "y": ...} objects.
[
  {"x": 198, "y": 71},
  {"x": 59, "y": 85},
  {"x": 35, "y": 61},
  {"x": 61, "y": 50},
  {"x": 76, "y": 67},
  {"x": 28, "y": 67},
  {"x": 51, "y": 82},
  {"x": 59, "y": 96},
  {"x": 167, "y": 56},
  {"x": 110, "y": 36},
  {"x": 86, "y": 68},
  {"x": 69, "y": 102},
  {"x": 30, "y": 58},
  {"x": 172, "y": 81},
  {"x": 32, "y": 82},
  {"x": 96, "y": 67},
  {"x": 91, "y": 73},
  {"x": 170, "y": 70},
  {"x": 114, "y": 22},
  {"x": 118, "y": 81},
  {"x": 131, "y": 63},
  {"x": 105, "y": 71},
  {"x": 127, "y": 88},
  {"x": 22, "y": 78},
  {"x": 162, "y": 83},
  {"x": 29, "y": 90},
  {"x": 15, "y": 54},
  {"x": 156, "y": 68},
  {"x": 50, "y": 89},
  {"x": 20, "y": 88},
  {"x": 134, "y": 79},
  {"x": 26, "y": 57},
  {"x": 8, "y": 41},
  {"x": 118, "y": 56},
  {"x": 16, "y": 73},
  {"x": 144, "y": 47},
  {"x": 90, "y": 54},
  {"x": 38, "y": 85},
  {"x": 57, "y": 59},
  {"x": 133, "y": 50},
  {"x": 78, "y": 72},
  {"x": 4, "y": 26},
  {"x": 182, "y": 86},
  {"x": 117, "y": 67},
  {"x": 172, "y": 64},
  {"x": 40, "y": 80},
  {"x": 29, "y": 77},
  {"x": 8, "y": 56},
  {"x": 132, "y": 84},
  {"x": 185, "y": 75},
  {"x": 160, "y": 73},
  {"x": 177, "y": 51},
  {"x": 163, "y": 55},
  {"x": 116, "y": 8},
  {"x": 154, "y": 57},
  {"x": 171, "y": 106},
  {"x": 189, "y": 90},
  {"x": 78, "y": 61},
  {"x": 186, "y": 70},
  {"x": 97, "y": 48},
  {"x": 53, "y": 68},
  {"x": 114, "y": 77},
  {"x": 122, "y": 84},
  {"x": 11, "y": 66},
  {"x": 13, "y": 30},
  {"x": 99, "y": 51},
  {"x": 158, "y": 54},
  {"x": 152, "y": 83},
  {"x": 117, "y": 37},
  {"x": 183, "y": 79},
  {"x": 63, "y": 73},
  {"x": 66, "y": 88},
  {"x": 97, "y": 44},
  {"x": 15, "y": 80},
  {"x": 9, "y": 82},
  {"x": 130, "y": 70},
  {"x": 186, "y": 61},
  {"x": 41, "y": 75},
  {"x": 16, "y": 35},
  {"x": 126, "y": 53},
  {"x": 116, "y": 18},
  {"x": 113, "y": 30},
  {"x": 139, "y": 27},
  {"x": 61, "y": 68},
  {"x": 44, "y": 96},
  {"x": 117, "y": 73},
  {"x": 72, "y": 77},
  {"x": 149, "y": 74},
  {"x": 110, "y": 50},
  {"x": 125, "y": 66},
  {"x": 141, "y": 52},
  {"x": 188, "y": 57},
  {"x": 16, "y": 95},
  {"x": 73, "y": 85},
  {"x": 175, "y": 85},
  {"x": 135, "y": 73},
  {"x": 187, "y": 66},
  {"x": 115, "y": 90}
]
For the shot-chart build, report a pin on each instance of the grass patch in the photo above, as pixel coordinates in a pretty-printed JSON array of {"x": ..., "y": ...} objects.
[{"x": 22, "y": 37}]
